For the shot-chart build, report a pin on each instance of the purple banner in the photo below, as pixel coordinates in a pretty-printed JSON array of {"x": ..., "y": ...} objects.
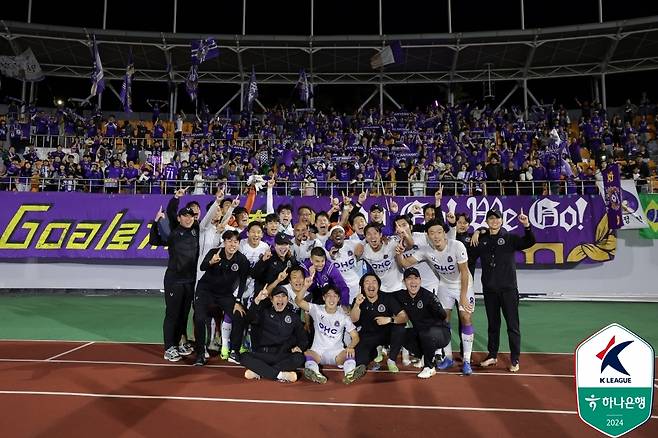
[
  {"x": 613, "y": 197},
  {"x": 569, "y": 229}
]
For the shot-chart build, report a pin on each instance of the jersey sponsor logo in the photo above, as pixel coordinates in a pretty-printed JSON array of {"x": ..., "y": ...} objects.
[
  {"x": 419, "y": 305},
  {"x": 382, "y": 266},
  {"x": 345, "y": 266},
  {"x": 234, "y": 267},
  {"x": 327, "y": 329},
  {"x": 381, "y": 308},
  {"x": 444, "y": 269},
  {"x": 288, "y": 319},
  {"x": 501, "y": 241}
]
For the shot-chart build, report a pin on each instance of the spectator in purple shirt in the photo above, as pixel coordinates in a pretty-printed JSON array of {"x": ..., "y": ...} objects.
[{"x": 326, "y": 274}]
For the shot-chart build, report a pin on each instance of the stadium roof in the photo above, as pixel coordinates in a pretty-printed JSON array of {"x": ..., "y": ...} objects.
[{"x": 589, "y": 49}]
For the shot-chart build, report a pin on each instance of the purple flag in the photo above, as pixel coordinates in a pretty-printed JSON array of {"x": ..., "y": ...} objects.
[
  {"x": 97, "y": 80},
  {"x": 192, "y": 82},
  {"x": 613, "y": 197},
  {"x": 203, "y": 50},
  {"x": 126, "y": 87},
  {"x": 252, "y": 91}
]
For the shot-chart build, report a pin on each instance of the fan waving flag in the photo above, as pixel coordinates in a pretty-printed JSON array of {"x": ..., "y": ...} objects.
[
  {"x": 126, "y": 87},
  {"x": 613, "y": 195},
  {"x": 252, "y": 92},
  {"x": 192, "y": 82},
  {"x": 304, "y": 88},
  {"x": 97, "y": 79},
  {"x": 391, "y": 54},
  {"x": 203, "y": 50}
]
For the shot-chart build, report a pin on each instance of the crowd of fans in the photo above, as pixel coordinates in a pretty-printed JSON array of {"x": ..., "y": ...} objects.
[{"x": 467, "y": 148}]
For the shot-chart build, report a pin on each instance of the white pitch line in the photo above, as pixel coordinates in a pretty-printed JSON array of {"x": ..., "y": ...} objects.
[
  {"x": 160, "y": 343},
  {"x": 69, "y": 351},
  {"x": 287, "y": 402},
  {"x": 186, "y": 365}
]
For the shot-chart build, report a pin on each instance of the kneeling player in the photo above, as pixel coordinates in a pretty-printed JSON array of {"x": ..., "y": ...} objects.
[
  {"x": 329, "y": 321},
  {"x": 449, "y": 261}
]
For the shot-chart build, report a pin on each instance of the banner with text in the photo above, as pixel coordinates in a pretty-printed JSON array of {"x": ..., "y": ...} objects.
[{"x": 569, "y": 229}]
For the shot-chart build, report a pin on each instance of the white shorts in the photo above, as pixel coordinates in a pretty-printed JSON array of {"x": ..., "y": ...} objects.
[
  {"x": 448, "y": 296},
  {"x": 328, "y": 356}
]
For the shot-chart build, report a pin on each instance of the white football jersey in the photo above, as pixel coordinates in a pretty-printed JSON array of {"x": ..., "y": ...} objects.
[
  {"x": 444, "y": 263},
  {"x": 349, "y": 266},
  {"x": 253, "y": 255},
  {"x": 384, "y": 264},
  {"x": 427, "y": 277},
  {"x": 329, "y": 328}
]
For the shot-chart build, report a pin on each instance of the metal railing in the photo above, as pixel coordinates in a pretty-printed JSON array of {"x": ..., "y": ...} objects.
[
  {"x": 309, "y": 188},
  {"x": 68, "y": 141}
]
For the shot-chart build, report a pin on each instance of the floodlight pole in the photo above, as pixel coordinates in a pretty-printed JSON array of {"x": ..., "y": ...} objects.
[
  {"x": 604, "y": 96},
  {"x": 449, "y": 16},
  {"x": 525, "y": 98},
  {"x": 311, "y": 100},
  {"x": 29, "y": 11},
  {"x": 381, "y": 69},
  {"x": 522, "y": 16},
  {"x": 104, "y": 14},
  {"x": 600, "y": 11},
  {"x": 175, "y": 13}
]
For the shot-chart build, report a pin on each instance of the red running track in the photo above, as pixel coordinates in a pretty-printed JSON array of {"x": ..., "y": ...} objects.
[{"x": 53, "y": 389}]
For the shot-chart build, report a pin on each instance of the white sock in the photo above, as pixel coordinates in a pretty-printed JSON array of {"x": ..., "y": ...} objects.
[
  {"x": 467, "y": 342},
  {"x": 349, "y": 365},
  {"x": 213, "y": 329},
  {"x": 312, "y": 365},
  {"x": 226, "y": 332}
]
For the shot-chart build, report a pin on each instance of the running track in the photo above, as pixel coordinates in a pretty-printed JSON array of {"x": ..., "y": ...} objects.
[{"x": 81, "y": 389}]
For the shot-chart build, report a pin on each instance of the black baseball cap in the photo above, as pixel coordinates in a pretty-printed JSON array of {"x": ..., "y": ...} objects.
[
  {"x": 374, "y": 207},
  {"x": 186, "y": 211},
  {"x": 494, "y": 212},
  {"x": 279, "y": 290},
  {"x": 282, "y": 239},
  {"x": 411, "y": 271}
]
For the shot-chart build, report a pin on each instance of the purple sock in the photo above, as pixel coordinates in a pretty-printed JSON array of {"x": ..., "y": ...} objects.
[
  {"x": 227, "y": 318},
  {"x": 467, "y": 329}
]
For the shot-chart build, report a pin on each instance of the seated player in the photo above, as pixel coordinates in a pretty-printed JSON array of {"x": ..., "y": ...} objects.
[{"x": 329, "y": 321}]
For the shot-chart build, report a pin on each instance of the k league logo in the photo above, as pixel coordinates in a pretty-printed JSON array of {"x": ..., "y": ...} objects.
[{"x": 614, "y": 380}]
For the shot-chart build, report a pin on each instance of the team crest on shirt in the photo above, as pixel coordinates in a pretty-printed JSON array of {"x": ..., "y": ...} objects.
[
  {"x": 415, "y": 247},
  {"x": 350, "y": 253},
  {"x": 194, "y": 233},
  {"x": 467, "y": 239},
  {"x": 288, "y": 319},
  {"x": 385, "y": 256},
  {"x": 381, "y": 308},
  {"x": 449, "y": 259},
  {"x": 501, "y": 241},
  {"x": 234, "y": 267},
  {"x": 337, "y": 324},
  {"x": 419, "y": 305}
]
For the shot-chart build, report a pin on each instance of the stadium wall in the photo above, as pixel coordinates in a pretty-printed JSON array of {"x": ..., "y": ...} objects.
[{"x": 630, "y": 276}]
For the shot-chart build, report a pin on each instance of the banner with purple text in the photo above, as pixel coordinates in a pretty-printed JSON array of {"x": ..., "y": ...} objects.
[{"x": 569, "y": 229}]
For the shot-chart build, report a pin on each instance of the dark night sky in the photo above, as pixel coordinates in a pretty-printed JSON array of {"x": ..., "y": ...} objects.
[{"x": 335, "y": 17}]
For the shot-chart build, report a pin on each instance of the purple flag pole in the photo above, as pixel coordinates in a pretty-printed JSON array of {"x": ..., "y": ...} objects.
[{"x": 613, "y": 196}]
